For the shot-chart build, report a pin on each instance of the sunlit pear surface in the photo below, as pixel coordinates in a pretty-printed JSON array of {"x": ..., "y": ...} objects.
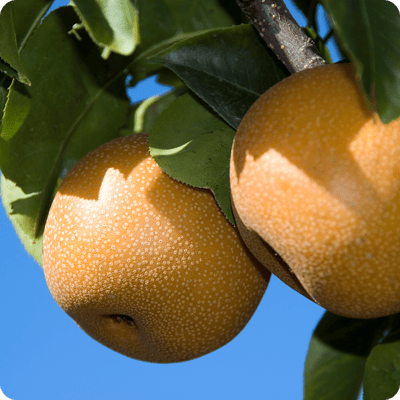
[
  {"x": 146, "y": 265},
  {"x": 315, "y": 183}
]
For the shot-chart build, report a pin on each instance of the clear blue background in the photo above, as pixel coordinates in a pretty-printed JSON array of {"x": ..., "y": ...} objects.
[{"x": 45, "y": 356}]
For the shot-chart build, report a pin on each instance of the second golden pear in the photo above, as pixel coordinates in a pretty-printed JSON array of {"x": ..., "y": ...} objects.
[{"x": 315, "y": 183}]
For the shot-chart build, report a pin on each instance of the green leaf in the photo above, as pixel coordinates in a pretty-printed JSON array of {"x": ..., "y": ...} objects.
[
  {"x": 229, "y": 68},
  {"x": 163, "y": 19},
  {"x": 143, "y": 115},
  {"x": 198, "y": 15},
  {"x": 156, "y": 22},
  {"x": 21, "y": 209},
  {"x": 375, "y": 24},
  {"x": 337, "y": 355},
  {"x": 5, "y": 68},
  {"x": 397, "y": 397},
  {"x": 168, "y": 78},
  {"x": 193, "y": 145},
  {"x": 77, "y": 102},
  {"x": 14, "y": 116},
  {"x": 304, "y": 6},
  {"x": 165, "y": 22},
  {"x": 2, "y": 3},
  {"x": 112, "y": 25},
  {"x": 3, "y": 94},
  {"x": 382, "y": 371},
  {"x": 18, "y": 21}
]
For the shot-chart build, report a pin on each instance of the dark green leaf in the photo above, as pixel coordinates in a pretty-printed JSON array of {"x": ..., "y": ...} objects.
[
  {"x": 168, "y": 78},
  {"x": 155, "y": 22},
  {"x": 198, "y": 15},
  {"x": 382, "y": 371},
  {"x": 5, "y": 68},
  {"x": 2, "y": 3},
  {"x": 77, "y": 101},
  {"x": 229, "y": 68},
  {"x": 193, "y": 146},
  {"x": 304, "y": 6},
  {"x": 375, "y": 24},
  {"x": 337, "y": 355},
  {"x": 165, "y": 22},
  {"x": 3, "y": 94},
  {"x": 113, "y": 27},
  {"x": 397, "y": 397},
  {"x": 18, "y": 21},
  {"x": 13, "y": 120}
]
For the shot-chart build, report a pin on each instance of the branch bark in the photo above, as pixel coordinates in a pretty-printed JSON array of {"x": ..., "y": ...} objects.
[{"x": 282, "y": 34}]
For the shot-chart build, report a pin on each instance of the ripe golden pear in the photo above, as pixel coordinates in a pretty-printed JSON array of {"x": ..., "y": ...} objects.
[
  {"x": 146, "y": 265},
  {"x": 315, "y": 185}
]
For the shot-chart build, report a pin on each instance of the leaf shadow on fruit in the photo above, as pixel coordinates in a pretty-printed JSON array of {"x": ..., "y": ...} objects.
[
  {"x": 328, "y": 136},
  {"x": 177, "y": 216},
  {"x": 328, "y": 163},
  {"x": 317, "y": 175},
  {"x": 90, "y": 189},
  {"x": 356, "y": 181}
]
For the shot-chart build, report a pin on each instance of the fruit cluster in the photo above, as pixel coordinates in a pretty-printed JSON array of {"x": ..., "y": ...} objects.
[{"x": 151, "y": 268}]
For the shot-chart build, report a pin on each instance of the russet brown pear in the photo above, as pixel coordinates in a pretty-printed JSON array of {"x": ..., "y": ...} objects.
[
  {"x": 315, "y": 183},
  {"x": 146, "y": 265}
]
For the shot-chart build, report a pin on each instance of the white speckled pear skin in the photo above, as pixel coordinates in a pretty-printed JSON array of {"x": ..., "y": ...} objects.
[
  {"x": 146, "y": 265},
  {"x": 315, "y": 177}
]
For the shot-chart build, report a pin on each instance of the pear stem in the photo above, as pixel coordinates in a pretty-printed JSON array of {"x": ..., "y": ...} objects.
[{"x": 282, "y": 34}]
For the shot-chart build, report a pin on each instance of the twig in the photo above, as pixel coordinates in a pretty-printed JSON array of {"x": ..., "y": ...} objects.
[{"x": 282, "y": 34}]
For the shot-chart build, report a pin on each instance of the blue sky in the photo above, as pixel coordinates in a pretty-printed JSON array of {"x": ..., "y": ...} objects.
[{"x": 45, "y": 356}]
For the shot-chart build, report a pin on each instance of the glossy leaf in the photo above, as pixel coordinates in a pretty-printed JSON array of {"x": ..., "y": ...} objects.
[
  {"x": 194, "y": 16},
  {"x": 112, "y": 25},
  {"x": 382, "y": 371},
  {"x": 229, "y": 68},
  {"x": 337, "y": 355},
  {"x": 77, "y": 102},
  {"x": 375, "y": 24},
  {"x": 165, "y": 22},
  {"x": 193, "y": 146}
]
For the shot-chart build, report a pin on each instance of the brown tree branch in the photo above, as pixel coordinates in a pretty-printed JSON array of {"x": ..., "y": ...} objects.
[{"x": 282, "y": 34}]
